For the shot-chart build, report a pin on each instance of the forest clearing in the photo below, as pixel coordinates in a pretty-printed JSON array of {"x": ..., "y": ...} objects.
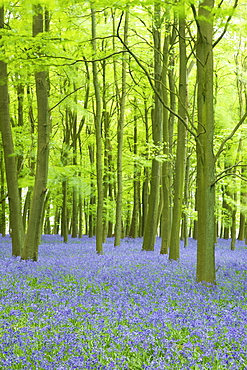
[{"x": 127, "y": 309}]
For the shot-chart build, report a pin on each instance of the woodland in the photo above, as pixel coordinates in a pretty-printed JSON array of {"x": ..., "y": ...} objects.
[
  {"x": 124, "y": 119},
  {"x": 123, "y": 184}
]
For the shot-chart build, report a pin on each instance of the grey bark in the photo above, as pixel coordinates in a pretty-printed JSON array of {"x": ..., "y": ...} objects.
[{"x": 16, "y": 224}]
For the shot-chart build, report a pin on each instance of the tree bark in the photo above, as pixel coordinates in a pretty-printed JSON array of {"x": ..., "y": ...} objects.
[
  {"x": 205, "y": 270},
  {"x": 174, "y": 250},
  {"x": 120, "y": 131},
  {"x": 3, "y": 196},
  {"x": 16, "y": 224},
  {"x": 153, "y": 202},
  {"x": 135, "y": 220},
  {"x": 32, "y": 239},
  {"x": 166, "y": 166},
  {"x": 98, "y": 130}
]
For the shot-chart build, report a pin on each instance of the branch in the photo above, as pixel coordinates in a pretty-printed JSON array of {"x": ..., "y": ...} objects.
[
  {"x": 230, "y": 136},
  {"x": 233, "y": 166},
  {"x": 75, "y": 61},
  {"x": 4, "y": 198},
  {"x": 195, "y": 17},
  {"x": 226, "y": 25},
  {"x": 229, "y": 174},
  {"x": 65, "y": 97}
]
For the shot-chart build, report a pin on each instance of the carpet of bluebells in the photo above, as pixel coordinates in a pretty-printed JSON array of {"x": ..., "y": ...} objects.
[{"x": 126, "y": 309}]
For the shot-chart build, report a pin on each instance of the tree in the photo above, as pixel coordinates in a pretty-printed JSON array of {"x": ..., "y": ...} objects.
[
  {"x": 10, "y": 158},
  {"x": 118, "y": 226},
  {"x": 98, "y": 131},
  {"x": 181, "y": 144},
  {"x": 150, "y": 230},
  {"x": 32, "y": 239},
  {"x": 205, "y": 269}
]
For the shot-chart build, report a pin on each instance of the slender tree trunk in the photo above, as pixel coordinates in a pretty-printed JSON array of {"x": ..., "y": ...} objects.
[
  {"x": 151, "y": 225},
  {"x": 65, "y": 180},
  {"x": 98, "y": 130},
  {"x": 107, "y": 145},
  {"x": 92, "y": 201},
  {"x": 186, "y": 202},
  {"x": 120, "y": 130},
  {"x": 80, "y": 205},
  {"x": 56, "y": 221},
  {"x": 174, "y": 251},
  {"x": 135, "y": 226},
  {"x": 145, "y": 186},
  {"x": 205, "y": 270},
  {"x": 166, "y": 166},
  {"x": 16, "y": 223},
  {"x": 234, "y": 200},
  {"x": 32, "y": 239},
  {"x": 3, "y": 196},
  {"x": 74, "y": 221},
  {"x": 234, "y": 226},
  {"x": 226, "y": 213},
  {"x": 44, "y": 212},
  {"x": 243, "y": 196},
  {"x": 64, "y": 218},
  {"x": 242, "y": 98}
]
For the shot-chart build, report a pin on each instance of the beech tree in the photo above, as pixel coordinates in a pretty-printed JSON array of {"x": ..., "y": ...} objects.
[
  {"x": 120, "y": 133},
  {"x": 98, "y": 133},
  {"x": 32, "y": 239},
  {"x": 10, "y": 158},
  {"x": 181, "y": 144},
  {"x": 150, "y": 230},
  {"x": 205, "y": 152}
]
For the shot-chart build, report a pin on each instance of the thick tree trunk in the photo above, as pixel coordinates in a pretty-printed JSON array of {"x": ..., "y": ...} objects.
[
  {"x": 205, "y": 271},
  {"x": 16, "y": 223},
  {"x": 32, "y": 239}
]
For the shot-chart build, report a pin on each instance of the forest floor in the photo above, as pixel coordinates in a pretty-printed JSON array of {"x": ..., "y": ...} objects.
[{"x": 126, "y": 309}]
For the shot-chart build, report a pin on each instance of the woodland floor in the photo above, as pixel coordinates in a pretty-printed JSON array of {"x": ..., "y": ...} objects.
[{"x": 126, "y": 309}]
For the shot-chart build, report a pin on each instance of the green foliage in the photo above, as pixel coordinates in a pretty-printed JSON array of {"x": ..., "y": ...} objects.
[{"x": 65, "y": 51}]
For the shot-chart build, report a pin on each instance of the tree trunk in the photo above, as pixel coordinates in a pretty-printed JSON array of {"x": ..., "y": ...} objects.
[
  {"x": 120, "y": 130},
  {"x": 98, "y": 130},
  {"x": 166, "y": 166},
  {"x": 174, "y": 251},
  {"x": 32, "y": 239},
  {"x": 145, "y": 185},
  {"x": 205, "y": 270},
  {"x": 186, "y": 203},
  {"x": 16, "y": 223},
  {"x": 80, "y": 206},
  {"x": 64, "y": 218},
  {"x": 74, "y": 221},
  {"x": 3, "y": 196},
  {"x": 135, "y": 221},
  {"x": 151, "y": 225}
]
